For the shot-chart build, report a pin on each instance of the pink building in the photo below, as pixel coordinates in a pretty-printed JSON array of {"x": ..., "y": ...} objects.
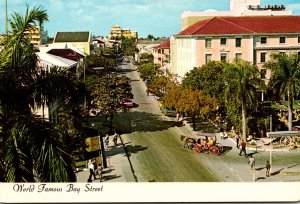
[
  {"x": 161, "y": 53},
  {"x": 253, "y": 39}
]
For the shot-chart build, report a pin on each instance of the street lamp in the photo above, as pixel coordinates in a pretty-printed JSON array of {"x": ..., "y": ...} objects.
[
  {"x": 101, "y": 146},
  {"x": 6, "y": 18}
]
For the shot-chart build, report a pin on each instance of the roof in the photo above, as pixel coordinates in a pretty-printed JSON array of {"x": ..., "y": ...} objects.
[
  {"x": 163, "y": 45},
  {"x": 244, "y": 25},
  {"x": 62, "y": 46},
  {"x": 72, "y": 37},
  {"x": 55, "y": 60}
]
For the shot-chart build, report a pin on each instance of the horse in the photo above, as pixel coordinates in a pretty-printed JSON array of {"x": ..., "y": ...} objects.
[{"x": 188, "y": 141}]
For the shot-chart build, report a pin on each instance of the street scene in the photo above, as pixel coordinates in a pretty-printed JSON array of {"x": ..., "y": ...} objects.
[
  {"x": 162, "y": 92},
  {"x": 156, "y": 152}
]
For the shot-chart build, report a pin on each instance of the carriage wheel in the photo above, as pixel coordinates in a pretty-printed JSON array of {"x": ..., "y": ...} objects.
[
  {"x": 285, "y": 140},
  {"x": 221, "y": 149},
  {"x": 214, "y": 150}
]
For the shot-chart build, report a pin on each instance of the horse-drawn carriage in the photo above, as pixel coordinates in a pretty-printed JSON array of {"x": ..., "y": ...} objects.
[{"x": 203, "y": 142}]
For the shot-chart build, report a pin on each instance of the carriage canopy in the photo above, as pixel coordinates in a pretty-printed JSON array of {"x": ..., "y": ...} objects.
[{"x": 283, "y": 134}]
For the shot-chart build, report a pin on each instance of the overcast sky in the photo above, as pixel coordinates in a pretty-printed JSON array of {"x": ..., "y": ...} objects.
[{"x": 156, "y": 17}]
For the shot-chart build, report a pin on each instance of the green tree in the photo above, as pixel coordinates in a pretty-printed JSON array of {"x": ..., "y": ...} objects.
[
  {"x": 286, "y": 77},
  {"x": 150, "y": 37},
  {"x": 161, "y": 84},
  {"x": 31, "y": 148},
  {"x": 241, "y": 85},
  {"x": 146, "y": 58},
  {"x": 149, "y": 71},
  {"x": 128, "y": 46},
  {"x": 109, "y": 94},
  {"x": 193, "y": 103},
  {"x": 209, "y": 78}
]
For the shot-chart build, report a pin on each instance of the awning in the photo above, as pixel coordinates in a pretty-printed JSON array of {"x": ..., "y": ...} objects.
[{"x": 283, "y": 134}]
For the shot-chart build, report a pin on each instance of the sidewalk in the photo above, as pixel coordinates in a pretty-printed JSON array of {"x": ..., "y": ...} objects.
[
  {"x": 118, "y": 167},
  {"x": 232, "y": 167}
]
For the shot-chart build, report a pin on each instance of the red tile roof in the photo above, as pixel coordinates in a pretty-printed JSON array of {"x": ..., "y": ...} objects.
[
  {"x": 164, "y": 45},
  {"x": 244, "y": 25}
]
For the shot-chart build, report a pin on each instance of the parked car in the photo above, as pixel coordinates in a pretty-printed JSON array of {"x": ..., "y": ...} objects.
[{"x": 128, "y": 102}]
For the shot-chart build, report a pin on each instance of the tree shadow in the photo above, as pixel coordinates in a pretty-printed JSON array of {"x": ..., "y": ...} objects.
[
  {"x": 204, "y": 126},
  {"x": 107, "y": 171},
  {"x": 128, "y": 122},
  {"x": 132, "y": 149},
  {"x": 110, "y": 177},
  {"x": 134, "y": 80},
  {"x": 127, "y": 70},
  {"x": 135, "y": 149}
]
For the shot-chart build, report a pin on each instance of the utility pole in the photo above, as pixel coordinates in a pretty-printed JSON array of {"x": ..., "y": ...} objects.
[{"x": 6, "y": 18}]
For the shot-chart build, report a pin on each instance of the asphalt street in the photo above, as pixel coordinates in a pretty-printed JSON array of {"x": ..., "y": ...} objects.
[{"x": 156, "y": 153}]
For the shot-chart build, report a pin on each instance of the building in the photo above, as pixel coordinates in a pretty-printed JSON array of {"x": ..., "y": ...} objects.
[
  {"x": 116, "y": 32},
  {"x": 252, "y": 39},
  {"x": 81, "y": 40},
  {"x": 237, "y": 8},
  {"x": 37, "y": 35},
  {"x": 161, "y": 53},
  {"x": 147, "y": 46}
]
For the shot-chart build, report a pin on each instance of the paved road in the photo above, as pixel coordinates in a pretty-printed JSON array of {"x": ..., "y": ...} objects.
[{"x": 157, "y": 154}]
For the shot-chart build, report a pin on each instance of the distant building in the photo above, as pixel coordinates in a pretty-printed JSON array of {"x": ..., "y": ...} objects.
[
  {"x": 237, "y": 8},
  {"x": 37, "y": 35},
  {"x": 98, "y": 42},
  {"x": 116, "y": 33},
  {"x": 80, "y": 40},
  {"x": 64, "y": 50},
  {"x": 252, "y": 39},
  {"x": 161, "y": 53}
]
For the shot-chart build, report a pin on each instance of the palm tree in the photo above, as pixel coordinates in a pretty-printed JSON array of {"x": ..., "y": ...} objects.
[
  {"x": 285, "y": 76},
  {"x": 241, "y": 84},
  {"x": 31, "y": 148}
]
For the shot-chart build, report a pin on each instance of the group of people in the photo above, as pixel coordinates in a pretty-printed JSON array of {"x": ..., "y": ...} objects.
[
  {"x": 242, "y": 146},
  {"x": 251, "y": 162},
  {"x": 203, "y": 144},
  {"x": 93, "y": 168},
  {"x": 115, "y": 140}
]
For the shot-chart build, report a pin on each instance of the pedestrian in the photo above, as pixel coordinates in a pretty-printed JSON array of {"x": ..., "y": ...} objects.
[
  {"x": 106, "y": 139},
  {"x": 237, "y": 137},
  {"x": 115, "y": 139},
  {"x": 268, "y": 167},
  {"x": 243, "y": 148},
  {"x": 251, "y": 162},
  {"x": 92, "y": 171}
]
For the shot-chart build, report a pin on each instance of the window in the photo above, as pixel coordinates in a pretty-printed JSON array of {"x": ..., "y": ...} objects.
[
  {"x": 263, "y": 40},
  {"x": 238, "y": 42},
  {"x": 238, "y": 56},
  {"x": 223, "y": 41},
  {"x": 224, "y": 57},
  {"x": 263, "y": 73},
  {"x": 281, "y": 40},
  {"x": 207, "y": 42},
  {"x": 298, "y": 39},
  {"x": 263, "y": 57},
  {"x": 207, "y": 58},
  {"x": 282, "y": 52}
]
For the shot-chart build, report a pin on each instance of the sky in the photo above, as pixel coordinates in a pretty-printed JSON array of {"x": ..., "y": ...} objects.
[{"x": 160, "y": 18}]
